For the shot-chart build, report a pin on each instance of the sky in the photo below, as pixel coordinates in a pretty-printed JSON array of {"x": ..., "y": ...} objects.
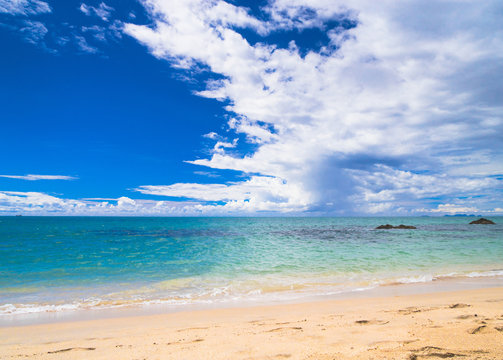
[{"x": 251, "y": 108}]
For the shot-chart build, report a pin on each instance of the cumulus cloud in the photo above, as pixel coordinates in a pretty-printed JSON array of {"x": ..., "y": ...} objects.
[
  {"x": 37, "y": 203},
  {"x": 40, "y": 177},
  {"x": 453, "y": 209},
  {"x": 259, "y": 193},
  {"x": 385, "y": 187},
  {"x": 24, "y": 7},
  {"x": 300, "y": 15},
  {"x": 405, "y": 90}
]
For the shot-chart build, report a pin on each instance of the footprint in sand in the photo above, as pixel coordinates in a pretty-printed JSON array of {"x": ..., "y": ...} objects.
[
  {"x": 70, "y": 349},
  {"x": 260, "y": 322},
  {"x": 193, "y": 328},
  {"x": 467, "y": 316},
  {"x": 183, "y": 341},
  {"x": 285, "y": 328},
  {"x": 432, "y": 351},
  {"x": 413, "y": 310},
  {"x": 458, "y": 306},
  {"x": 371, "y": 322},
  {"x": 478, "y": 329},
  {"x": 290, "y": 322}
]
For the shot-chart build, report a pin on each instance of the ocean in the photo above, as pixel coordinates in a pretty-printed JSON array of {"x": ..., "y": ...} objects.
[{"x": 51, "y": 264}]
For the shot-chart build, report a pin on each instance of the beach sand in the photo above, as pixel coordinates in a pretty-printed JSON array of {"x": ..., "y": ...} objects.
[{"x": 461, "y": 324}]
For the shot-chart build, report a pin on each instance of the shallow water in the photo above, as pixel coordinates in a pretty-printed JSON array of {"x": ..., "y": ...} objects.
[{"x": 64, "y": 263}]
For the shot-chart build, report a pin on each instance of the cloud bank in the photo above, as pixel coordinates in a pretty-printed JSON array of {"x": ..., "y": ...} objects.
[
  {"x": 399, "y": 109},
  {"x": 38, "y": 203}
]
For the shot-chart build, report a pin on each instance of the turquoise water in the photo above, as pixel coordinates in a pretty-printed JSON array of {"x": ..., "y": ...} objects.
[{"x": 58, "y": 263}]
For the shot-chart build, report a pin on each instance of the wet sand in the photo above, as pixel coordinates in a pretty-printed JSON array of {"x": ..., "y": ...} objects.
[{"x": 464, "y": 324}]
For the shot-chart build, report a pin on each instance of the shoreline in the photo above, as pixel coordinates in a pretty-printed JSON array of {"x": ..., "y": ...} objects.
[
  {"x": 135, "y": 310},
  {"x": 463, "y": 323}
]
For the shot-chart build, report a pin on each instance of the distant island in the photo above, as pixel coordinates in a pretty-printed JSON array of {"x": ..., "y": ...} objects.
[{"x": 461, "y": 215}]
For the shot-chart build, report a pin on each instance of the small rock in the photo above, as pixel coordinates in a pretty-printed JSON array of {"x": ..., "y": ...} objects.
[
  {"x": 401, "y": 226},
  {"x": 483, "y": 221},
  {"x": 387, "y": 226}
]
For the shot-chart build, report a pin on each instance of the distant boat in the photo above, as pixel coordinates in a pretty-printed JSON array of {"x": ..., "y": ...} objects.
[{"x": 19, "y": 215}]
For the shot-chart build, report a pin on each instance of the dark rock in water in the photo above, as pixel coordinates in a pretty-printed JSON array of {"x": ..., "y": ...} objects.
[
  {"x": 482, "y": 221},
  {"x": 405, "y": 227},
  {"x": 388, "y": 226}
]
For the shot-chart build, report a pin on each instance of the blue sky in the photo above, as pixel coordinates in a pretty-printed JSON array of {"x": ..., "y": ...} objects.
[{"x": 200, "y": 107}]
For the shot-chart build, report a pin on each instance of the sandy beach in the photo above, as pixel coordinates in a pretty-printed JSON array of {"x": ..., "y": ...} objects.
[{"x": 464, "y": 324}]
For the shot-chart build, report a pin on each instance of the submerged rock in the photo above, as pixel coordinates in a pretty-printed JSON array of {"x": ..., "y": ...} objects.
[
  {"x": 401, "y": 226},
  {"x": 482, "y": 221}
]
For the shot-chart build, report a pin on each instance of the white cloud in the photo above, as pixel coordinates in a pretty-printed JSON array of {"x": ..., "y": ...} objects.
[
  {"x": 245, "y": 201},
  {"x": 207, "y": 173},
  {"x": 460, "y": 209},
  {"x": 40, "y": 177},
  {"x": 103, "y": 11},
  {"x": 259, "y": 193},
  {"x": 254, "y": 132},
  {"x": 98, "y": 32},
  {"x": 383, "y": 189},
  {"x": 33, "y": 32},
  {"x": 383, "y": 183},
  {"x": 24, "y": 7},
  {"x": 83, "y": 45},
  {"x": 211, "y": 135},
  {"x": 50, "y": 36},
  {"x": 220, "y": 146},
  {"x": 36, "y": 203},
  {"x": 301, "y": 15},
  {"x": 103, "y": 34},
  {"x": 12, "y": 201},
  {"x": 413, "y": 86},
  {"x": 454, "y": 209}
]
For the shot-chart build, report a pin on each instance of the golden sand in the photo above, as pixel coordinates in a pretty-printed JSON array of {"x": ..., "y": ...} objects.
[{"x": 456, "y": 325}]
